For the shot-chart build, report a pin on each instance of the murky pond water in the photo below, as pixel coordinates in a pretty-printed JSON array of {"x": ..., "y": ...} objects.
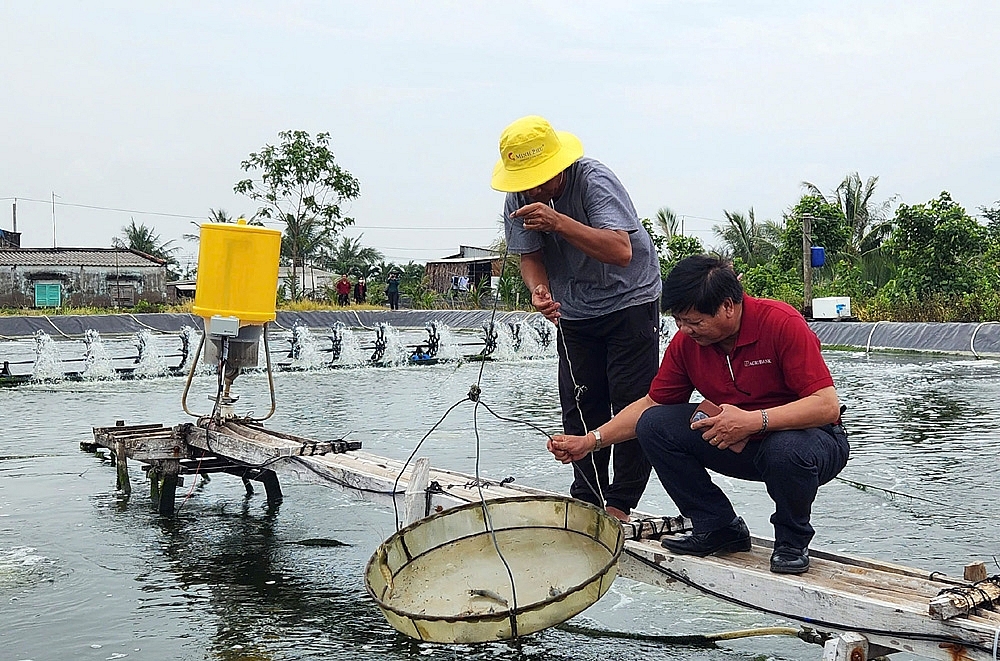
[{"x": 86, "y": 573}]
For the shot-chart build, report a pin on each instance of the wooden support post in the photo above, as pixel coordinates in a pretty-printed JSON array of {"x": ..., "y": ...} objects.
[
  {"x": 271, "y": 487},
  {"x": 154, "y": 484},
  {"x": 975, "y": 572},
  {"x": 168, "y": 488},
  {"x": 415, "y": 502},
  {"x": 248, "y": 486},
  {"x": 846, "y": 647},
  {"x": 122, "y": 483}
]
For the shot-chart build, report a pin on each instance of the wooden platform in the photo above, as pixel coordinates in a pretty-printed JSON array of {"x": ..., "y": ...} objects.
[{"x": 869, "y": 607}]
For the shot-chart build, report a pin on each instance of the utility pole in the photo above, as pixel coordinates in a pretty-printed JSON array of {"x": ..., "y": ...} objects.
[
  {"x": 14, "y": 213},
  {"x": 54, "y": 196},
  {"x": 807, "y": 281}
]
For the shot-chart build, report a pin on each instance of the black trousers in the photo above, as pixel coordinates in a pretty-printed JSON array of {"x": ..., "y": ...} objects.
[
  {"x": 393, "y": 300},
  {"x": 610, "y": 363},
  {"x": 791, "y": 464}
]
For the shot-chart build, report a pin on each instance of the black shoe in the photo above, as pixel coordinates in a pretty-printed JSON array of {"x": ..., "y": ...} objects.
[
  {"x": 789, "y": 560},
  {"x": 731, "y": 539}
]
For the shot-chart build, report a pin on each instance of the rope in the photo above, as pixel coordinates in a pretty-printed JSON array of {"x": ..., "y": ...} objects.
[
  {"x": 972, "y": 341},
  {"x": 868, "y": 344},
  {"x": 578, "y": 391},
  {"x": 58, "y": 330},
  {"x": 147, "y": 327}
]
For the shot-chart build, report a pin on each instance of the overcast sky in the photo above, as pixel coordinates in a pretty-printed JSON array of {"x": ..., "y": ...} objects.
[{"x": 699, "y": 106}]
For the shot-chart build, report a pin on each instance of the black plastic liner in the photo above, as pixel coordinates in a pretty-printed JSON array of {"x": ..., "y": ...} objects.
[
  {"x": 977, "y": 339},
  {"x": 127, "y": 324}
]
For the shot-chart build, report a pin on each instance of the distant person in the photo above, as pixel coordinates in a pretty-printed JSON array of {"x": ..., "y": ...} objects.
[
  {"x": 774, "y": 415},
  {"x": 392, "y": 290},
  {"x": 591, "y": 269},
  {"x": 360, "y": 291},
  {"x": 343, "y": 290}
]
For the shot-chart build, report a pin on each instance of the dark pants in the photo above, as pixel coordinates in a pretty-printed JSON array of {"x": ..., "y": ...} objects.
[
  {"x": 393, "y": 300},
  {"x": 613, "y": 359},
  {"x": 791, "y": 464},
  {"x": 342, "y": 299}
]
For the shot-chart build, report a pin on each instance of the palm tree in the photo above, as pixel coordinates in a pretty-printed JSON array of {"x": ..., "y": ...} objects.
[
  {"x": 868, "y": 223},
  {"x": 145, "y": 240},
  {"x": 667, "y": 222},
  {"x": 219, "y": 215},
  {"x": 349, "y": 256},
  {"x": 745, "y": 238},
  {"x": 867, "y": 220},
  {"x": 304, "y": 238}
]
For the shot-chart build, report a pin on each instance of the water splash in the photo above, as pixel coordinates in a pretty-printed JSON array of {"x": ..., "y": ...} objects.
[
  {"x": 48, "y": 363},
  {"x": 350, "y": 348},
  {"x": 98, "y": 365},
  {"x": 305, "y": 349},
  {"x": 395, "y": 352},
  {"x": 151, "y": 362},
  {"x": 448, "y": 348},
  {"x": 499, "y": 341}
]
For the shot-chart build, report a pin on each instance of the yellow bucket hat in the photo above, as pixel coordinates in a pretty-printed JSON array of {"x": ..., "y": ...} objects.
[{"x": 531, "y": 153}]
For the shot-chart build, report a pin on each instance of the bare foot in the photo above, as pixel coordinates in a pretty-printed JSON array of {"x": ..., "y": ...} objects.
[{"x": 617, "y": 513}]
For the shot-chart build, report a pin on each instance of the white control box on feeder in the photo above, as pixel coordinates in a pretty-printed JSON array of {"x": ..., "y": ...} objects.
[{"x": 832, "y": 307}]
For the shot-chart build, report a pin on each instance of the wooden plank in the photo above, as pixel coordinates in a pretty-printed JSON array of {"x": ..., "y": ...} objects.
[
  {"x": 813, "y": 597},
  {"x": 416, "y": 491}
]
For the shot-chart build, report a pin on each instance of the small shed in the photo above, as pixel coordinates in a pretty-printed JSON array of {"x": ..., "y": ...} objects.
[
  {"x": 101, "y": 277},
  {"x": 468, "y": 269}
]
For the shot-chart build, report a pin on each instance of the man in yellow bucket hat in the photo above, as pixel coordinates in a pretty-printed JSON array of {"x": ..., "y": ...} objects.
[{"x": 591, "y": 269}]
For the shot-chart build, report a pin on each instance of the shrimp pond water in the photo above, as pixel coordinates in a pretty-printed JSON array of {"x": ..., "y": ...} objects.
[{"x": 88, "y": 573}]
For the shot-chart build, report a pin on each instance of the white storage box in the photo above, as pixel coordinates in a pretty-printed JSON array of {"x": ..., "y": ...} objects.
[{"x": 832, "y": 307}]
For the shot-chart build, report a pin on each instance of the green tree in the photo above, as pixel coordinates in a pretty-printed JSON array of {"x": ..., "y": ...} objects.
[
  {"x": 938, "y": 248},
  {"x": 299, "y": 183},
  {"x": 829, "y": 230}
]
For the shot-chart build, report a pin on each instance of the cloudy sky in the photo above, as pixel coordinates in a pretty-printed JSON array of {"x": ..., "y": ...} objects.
[{"x": 145, "y": 110}]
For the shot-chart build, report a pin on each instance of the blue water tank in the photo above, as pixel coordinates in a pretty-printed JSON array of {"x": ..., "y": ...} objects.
[{"x": 817, "y": 258}]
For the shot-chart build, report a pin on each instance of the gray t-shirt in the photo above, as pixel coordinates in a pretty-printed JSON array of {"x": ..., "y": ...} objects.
[{"x": 585, "y": 287}]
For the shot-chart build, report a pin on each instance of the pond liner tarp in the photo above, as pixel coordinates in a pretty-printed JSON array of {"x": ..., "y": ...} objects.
[
  {"x": 74, "y": 326},
  {"x": 979, "y": 339}
]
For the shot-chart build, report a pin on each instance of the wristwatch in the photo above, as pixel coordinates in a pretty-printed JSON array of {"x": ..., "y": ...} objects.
[{"x": 597, "y": 440}]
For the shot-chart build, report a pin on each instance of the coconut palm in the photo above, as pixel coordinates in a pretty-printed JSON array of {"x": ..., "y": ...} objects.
[
  {"x": 867, "y": 221},
  {"x": 349, "y": 256},
  {"x": 744, "y": 238},
  {"x": 304, "y": 238},
  {"x": 145, "y": 240},
  {"x": 667, "y": 222}
]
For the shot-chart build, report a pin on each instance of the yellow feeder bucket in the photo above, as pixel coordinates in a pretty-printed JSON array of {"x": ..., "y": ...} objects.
[{"x": 238, "y": 272}]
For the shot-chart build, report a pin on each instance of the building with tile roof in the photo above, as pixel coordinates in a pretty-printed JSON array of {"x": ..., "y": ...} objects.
[{"x": 78, "y": 277}]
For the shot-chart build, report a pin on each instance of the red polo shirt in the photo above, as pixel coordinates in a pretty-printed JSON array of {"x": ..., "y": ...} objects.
[{"x": 776, "y": 360}]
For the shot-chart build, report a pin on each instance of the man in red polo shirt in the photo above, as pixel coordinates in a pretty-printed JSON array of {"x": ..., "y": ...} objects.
[{"x": 779, "y": 421}]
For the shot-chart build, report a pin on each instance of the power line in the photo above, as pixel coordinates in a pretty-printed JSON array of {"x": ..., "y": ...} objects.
[{"x": 99, "y": 208}]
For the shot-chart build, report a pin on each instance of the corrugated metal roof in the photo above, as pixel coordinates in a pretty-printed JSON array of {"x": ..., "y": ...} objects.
[{"x": 104, "y": 257}]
